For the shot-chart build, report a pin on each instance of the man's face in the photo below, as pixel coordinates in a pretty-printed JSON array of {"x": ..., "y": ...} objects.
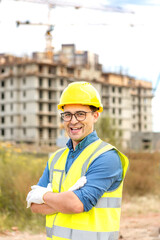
[{"x": 77, "y": 130}]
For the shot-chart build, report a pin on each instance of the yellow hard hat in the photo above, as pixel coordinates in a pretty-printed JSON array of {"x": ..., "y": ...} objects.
[{"x": 80, "y": 93}]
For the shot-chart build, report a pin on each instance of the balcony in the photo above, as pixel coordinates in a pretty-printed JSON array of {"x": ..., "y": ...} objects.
[
  {"x": 46, "y": 113},
  {"x": 47, "y": 125}
]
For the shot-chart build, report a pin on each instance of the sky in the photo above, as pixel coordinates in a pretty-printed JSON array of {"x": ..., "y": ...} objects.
[{"x": 128, "y": 40}]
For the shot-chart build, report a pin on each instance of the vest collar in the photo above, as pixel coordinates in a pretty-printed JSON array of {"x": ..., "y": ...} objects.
[{"x": 85, "y": 142}]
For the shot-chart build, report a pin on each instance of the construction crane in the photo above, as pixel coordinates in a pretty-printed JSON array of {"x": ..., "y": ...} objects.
[
  {"x": 53, "y": 3},
  {"x": 48, "y": 36},
  {"x": 156, "y": 86}
]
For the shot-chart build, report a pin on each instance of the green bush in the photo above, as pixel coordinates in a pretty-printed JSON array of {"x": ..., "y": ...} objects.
[
  {"x": 143, "y": 176},
  {"x": 18, "y": 171},
  {"x": 107, "y": 131}
]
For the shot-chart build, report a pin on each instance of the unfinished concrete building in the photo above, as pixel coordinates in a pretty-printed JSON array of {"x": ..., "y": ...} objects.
[
  {"x": 129, "y": 104},
  {"x": 30, "y": 90},
  {"x": 70, "y": 56}
]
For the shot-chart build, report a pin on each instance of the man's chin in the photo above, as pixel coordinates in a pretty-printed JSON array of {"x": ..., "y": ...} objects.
[{"x": 76, "y": 138}]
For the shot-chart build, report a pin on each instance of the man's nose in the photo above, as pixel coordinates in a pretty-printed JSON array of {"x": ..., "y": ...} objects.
[{"x": 73, "y": 119}]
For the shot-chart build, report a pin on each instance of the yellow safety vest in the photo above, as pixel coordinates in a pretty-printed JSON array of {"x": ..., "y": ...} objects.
[{"x": 102, "y": 222}]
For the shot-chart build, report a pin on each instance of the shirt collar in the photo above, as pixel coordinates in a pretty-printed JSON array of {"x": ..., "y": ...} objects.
[{"x": 85, "y": 142}]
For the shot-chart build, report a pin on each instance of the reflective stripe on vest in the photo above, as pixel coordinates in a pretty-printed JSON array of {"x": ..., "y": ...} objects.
[
  {"x": 54, "y": 160},
  {"x": 102, "y": 144},
  {"x": 75, "y": 234},
  {"x": 108, "y": 202}
]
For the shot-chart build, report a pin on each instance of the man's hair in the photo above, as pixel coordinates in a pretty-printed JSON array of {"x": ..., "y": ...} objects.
[{"x": 93, "y": 108}]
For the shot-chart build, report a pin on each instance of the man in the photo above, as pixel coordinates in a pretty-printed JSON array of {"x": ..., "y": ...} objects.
[{"x": 80, "y": 190}]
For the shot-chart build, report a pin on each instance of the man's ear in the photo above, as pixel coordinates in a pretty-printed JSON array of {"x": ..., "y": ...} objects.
[{"x": 96, "y": 116}]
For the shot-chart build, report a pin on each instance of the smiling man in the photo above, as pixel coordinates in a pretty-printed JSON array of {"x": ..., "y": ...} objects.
[
  {"x": 78, "y": 124},
  {"x": 80, "y": 190}
]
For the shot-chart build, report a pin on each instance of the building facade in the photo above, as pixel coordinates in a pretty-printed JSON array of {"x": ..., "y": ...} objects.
[
  {"x": 147, "y": 141},
  {"x": 129, "y": 104},
  {"x": 30, "y": 90}
]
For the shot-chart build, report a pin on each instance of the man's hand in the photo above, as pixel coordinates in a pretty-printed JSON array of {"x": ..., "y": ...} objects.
[{"x": 37, "y": 193}]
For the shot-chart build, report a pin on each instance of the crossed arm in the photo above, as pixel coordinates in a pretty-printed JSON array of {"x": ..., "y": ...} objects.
[
  {"x": 65, "y": 202},
  {"x": 101, "y": 176},
  {"x": 45, "y": 201}
]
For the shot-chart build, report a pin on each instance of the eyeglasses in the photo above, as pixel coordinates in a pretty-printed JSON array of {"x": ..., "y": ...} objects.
[{"x": 80, "y": 116}]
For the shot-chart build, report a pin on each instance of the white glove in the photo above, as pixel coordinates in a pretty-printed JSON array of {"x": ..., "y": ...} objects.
[
  {"x": 80, "y": 183},
  {"x": 37, "y": 193}
]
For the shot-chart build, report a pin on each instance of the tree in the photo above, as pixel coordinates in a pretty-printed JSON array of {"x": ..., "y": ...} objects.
[{"x": 107, "y": 131}]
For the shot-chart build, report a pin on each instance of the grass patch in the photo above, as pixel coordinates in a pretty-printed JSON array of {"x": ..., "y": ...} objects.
[
  {"x": 18, "y": 171},
  {"x": 143, "y": 176}
]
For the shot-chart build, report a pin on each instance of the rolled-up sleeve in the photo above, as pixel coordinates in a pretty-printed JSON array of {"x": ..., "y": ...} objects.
[{"x": 104, "y": 174}]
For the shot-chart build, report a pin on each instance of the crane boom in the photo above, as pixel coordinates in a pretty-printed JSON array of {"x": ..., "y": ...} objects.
[
  {"x": 100, "y": 7},
  {"x": 35, "y": 24}
]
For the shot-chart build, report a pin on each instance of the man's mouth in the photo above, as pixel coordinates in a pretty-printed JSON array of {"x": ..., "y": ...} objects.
[{"x": 75, "y": 129}]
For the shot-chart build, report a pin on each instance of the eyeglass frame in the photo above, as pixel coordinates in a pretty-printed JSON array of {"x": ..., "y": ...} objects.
[{"x": 74, "y": 114}]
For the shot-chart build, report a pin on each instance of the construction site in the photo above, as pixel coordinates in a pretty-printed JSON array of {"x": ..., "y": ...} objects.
[
  {"x": 31, "y": 129},
  {"x": 30, "y": 90}
]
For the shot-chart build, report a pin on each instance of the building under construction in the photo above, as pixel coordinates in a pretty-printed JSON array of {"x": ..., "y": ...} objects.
[{"x": 30, "y": 90}]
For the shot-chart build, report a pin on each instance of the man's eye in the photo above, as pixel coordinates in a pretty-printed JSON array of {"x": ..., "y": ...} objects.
[
  {"x": 67, "y": 115},
  {"x": 80, "y": 114}
]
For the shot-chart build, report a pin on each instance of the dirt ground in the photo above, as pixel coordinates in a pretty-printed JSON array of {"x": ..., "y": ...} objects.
[{"x": 140, "y": 220}]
